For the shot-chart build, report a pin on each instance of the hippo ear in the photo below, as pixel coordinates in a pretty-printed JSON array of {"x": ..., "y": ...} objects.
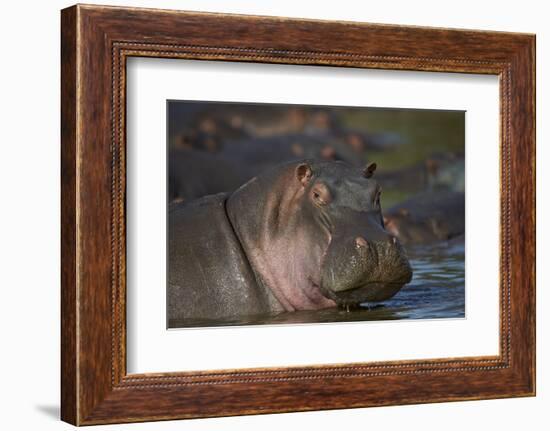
[
  {"x": 303, "y": 173},
  {"x": 369, "y": 170}
]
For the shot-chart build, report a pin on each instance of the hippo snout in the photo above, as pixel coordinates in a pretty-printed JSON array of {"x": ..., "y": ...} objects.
[{"x": 365, "y": 269}]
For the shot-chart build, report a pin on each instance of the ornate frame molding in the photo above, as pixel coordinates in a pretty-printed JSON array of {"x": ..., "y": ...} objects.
[{"x": 96, "y": 41}]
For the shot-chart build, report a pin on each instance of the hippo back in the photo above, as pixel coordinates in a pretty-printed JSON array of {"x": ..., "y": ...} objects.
[{"x": 209, "y": 276}]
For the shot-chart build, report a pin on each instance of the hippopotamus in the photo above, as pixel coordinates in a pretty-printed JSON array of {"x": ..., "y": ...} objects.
[
  {"x": 304, "y": 235},
  {"x": 196, "y": 125},
  {"x": 427, "y": 217},
  {"x": 438, "y": 171},
  {"x": 193, "y": 174},
  {"x": 269, "y": 151}
]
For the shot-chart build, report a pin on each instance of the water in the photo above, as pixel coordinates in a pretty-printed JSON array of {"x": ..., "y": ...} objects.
[
  {"x": 436, "y": 291},
  {"x": 437, "y": 287}
]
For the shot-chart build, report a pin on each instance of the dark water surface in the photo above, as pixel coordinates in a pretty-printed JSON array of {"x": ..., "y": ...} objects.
[{"x": 436, "y": 291}]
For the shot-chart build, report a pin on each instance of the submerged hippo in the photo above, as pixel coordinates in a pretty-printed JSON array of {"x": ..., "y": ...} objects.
[
  {"x": 427, "y": 217},
  {"x": 304, "y": 235}
]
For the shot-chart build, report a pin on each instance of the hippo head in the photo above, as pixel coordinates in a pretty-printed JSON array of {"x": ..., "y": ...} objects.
[
  {"x": 411, "y": 229},
  {"x": 314, "y": 235}
]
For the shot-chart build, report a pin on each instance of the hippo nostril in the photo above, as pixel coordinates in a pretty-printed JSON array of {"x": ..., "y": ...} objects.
[
  {"x": 360, "y": 242},
  {"x": 391, "y": 240}
]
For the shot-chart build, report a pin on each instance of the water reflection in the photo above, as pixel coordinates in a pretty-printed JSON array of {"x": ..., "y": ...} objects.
[{"x": 436, "y": 291}]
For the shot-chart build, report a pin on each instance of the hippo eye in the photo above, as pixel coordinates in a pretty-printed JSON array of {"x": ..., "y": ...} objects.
[
  {"x": 320, "y": 195},
  {"x": 317, "y": 198}
]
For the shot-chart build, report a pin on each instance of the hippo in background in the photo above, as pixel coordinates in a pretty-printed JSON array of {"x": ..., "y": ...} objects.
[
  {"x": 260, "y": 120},
  {"x": 196, "y": 140},
  {"x": 193, "y": 174},
  {"x": 446, "y": 171},
  {"x": 427, "y": 217},
  {"x": 304, "y": 235},
  {"x": 192, "y": 124},
  {"x": 361, "y": 140},
  {"x": 206, "y": 127},
  {"x": 438, "y": 171},
  {"x": 270, "y": 151}
]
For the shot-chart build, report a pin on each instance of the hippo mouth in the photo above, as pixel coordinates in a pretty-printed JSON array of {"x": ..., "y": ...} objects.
[{"x": 374, "y": 291}]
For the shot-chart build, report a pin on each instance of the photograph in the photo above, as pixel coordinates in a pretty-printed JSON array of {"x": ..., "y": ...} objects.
[
  {"x": 277, "y": 209},
  {"x": 289, "y": 214}
]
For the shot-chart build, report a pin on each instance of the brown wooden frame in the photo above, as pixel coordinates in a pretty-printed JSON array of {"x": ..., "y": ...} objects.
[{"x": 95, "y": 43}]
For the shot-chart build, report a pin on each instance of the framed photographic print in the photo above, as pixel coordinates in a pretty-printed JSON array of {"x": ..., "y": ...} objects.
[{"x": 264, "y": 215}]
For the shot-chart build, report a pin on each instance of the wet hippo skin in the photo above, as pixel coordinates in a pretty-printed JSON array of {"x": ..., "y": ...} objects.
[{"x": 304, "y": 235}]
